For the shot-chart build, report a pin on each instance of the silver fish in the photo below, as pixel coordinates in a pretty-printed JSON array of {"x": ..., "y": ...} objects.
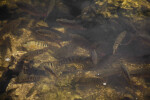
[{"x": 118, "y": 41}]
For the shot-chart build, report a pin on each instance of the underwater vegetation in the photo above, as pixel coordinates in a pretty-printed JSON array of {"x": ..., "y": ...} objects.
[{"x": 74, "y": 50}]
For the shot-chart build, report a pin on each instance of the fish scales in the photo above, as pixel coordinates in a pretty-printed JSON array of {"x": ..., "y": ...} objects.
[
  {"x": 118, "y": 41},
  {"x": 50, "y": 64},
  {"x": 37, "y": 43}
]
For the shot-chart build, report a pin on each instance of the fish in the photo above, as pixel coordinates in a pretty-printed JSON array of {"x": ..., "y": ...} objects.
[
  {"x": 11, "y": 26},
  {"x": 72, "y": 24},
  {"x": 11, "y": 91},
  {"x": 27, "y": 79},
  {"x": 144, "y": 59},
  {"x": 80, "y": 41},
  {"x": 35, "y": 71},
  {"x": 102, "y": 73},
  {"x": 42, "y": 37},
  {"x": 12, "y": 62},
  {"x": 5, "y": 79},
  {"x": 86, "y": 83},
  {"x": 9, "y": 74},
  {"x": 8, "y": 43},
  {"x": 50, "y": 71},
  {"x": 49, "y": 64},
  {"x": 26, "y": 57},
  {"x": 94, "y": 57},
  {"x": 126, "y": 73},
  {"x": 31, "y": 54},
  {"x": 73, "y": 59},
  {"x": 41, "y": 44},
  {"x": 4, "y": 48},
  {"x": 3, "y": 68},
  {"x": 32, "y": 89},
  {"x": 34, "y": 11},
  {"x": 46, "y": 31},
  {"x": 46, "y": 36},
  {"x": 68, "y": 60},
  {"x": 118, "y": 41},
  {"x": 50, "y": 8},
  {"x": 7, "y": 95},
  {"x": 144, "y": 37},
  {"x": 144, "y": 72}
]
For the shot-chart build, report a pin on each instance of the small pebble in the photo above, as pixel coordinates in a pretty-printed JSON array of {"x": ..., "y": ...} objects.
[
  {"x": 104, "y": 83},
  {"x": 7, "y": 59}
]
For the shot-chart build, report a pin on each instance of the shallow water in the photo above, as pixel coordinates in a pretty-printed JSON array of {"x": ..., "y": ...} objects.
[{"x": 74, "y": 50}]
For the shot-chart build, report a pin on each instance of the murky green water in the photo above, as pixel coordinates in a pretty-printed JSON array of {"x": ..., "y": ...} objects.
[{"x": 74, "y": 50}]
